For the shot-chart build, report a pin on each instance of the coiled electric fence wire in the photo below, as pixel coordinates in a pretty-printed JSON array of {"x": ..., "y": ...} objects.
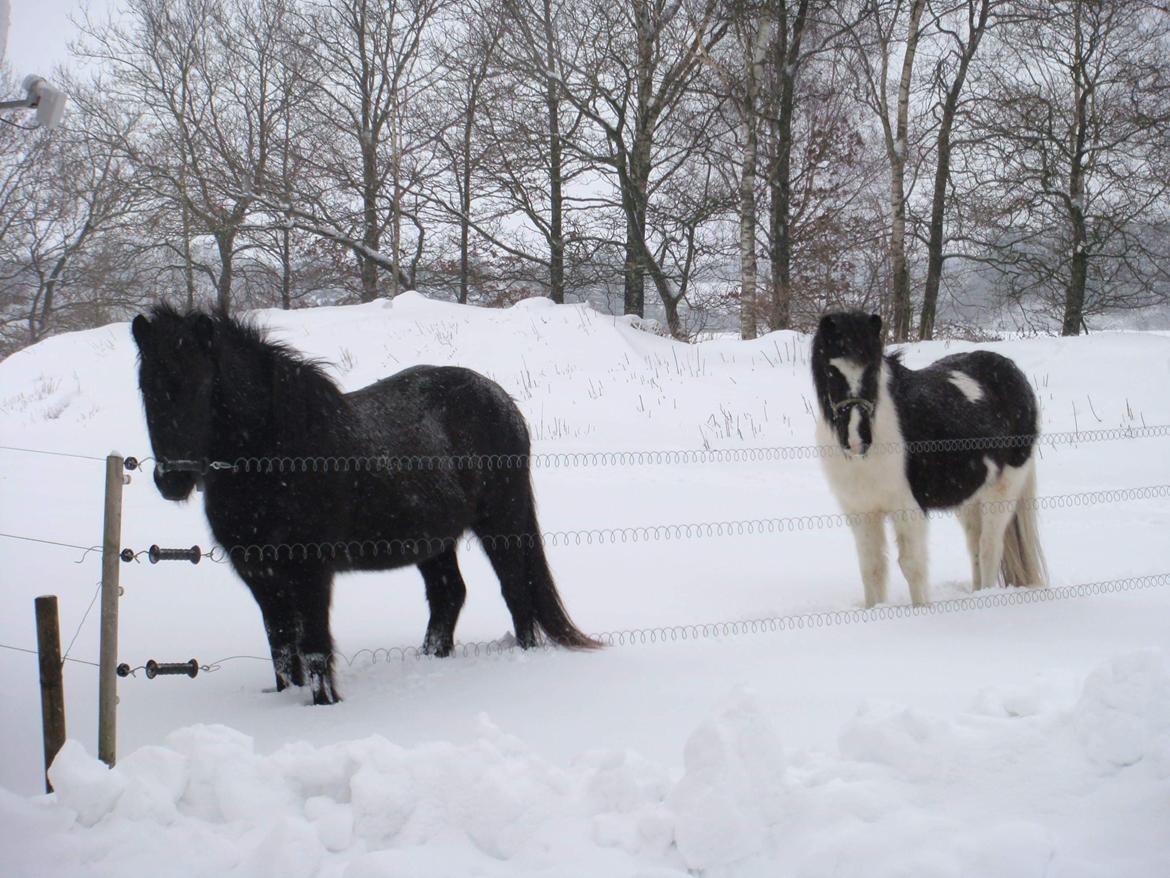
[
  {"x": 426, "y": 546},
  {"x": 816, "y": 619},
  {"x": 392, "y": 463},
  {"x": 694, "y": 632}
]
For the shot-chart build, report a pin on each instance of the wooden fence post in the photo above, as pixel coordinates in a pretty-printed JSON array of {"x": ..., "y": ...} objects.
[
  {"x": 108, "y": 654},
  {"x": 52, "y": 686}
]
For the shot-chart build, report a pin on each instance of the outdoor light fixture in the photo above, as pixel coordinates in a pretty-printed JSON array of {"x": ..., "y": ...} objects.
[{"x": 49, "y": 102}]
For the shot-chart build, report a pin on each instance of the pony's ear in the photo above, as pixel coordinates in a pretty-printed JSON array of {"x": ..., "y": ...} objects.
[
  {"x": 827, "y": 327},
  {"x": 875, "y": 324},
  {"x": 204, "y": 330},
  {"x": 140, "y": 329}
]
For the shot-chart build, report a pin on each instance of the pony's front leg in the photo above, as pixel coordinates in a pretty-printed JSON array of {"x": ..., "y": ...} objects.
[
  {"x": 314, "y": 593},
  {"x": 281, "y": 624},
  {"x": 870, "y": 536},
  {"x": 910, "y": 529}
]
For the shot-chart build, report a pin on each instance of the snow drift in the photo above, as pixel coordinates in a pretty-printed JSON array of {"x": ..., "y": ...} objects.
[{"x": 1019, "y": 740}]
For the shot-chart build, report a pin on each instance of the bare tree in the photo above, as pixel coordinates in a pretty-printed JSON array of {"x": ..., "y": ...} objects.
[
  {"x": 368, "y": 62},
  {"x": 532, "y": 171},
  {"x": 1075, "y": 118},
  {"x": 961, "y": 27},
  {"x": 469, "y": 64},
  {"x": 638, "y": 67},
  {"x": 741, "y": 73},
  {"x": 836, "y": 182},
  {"x": 263, "y": 47},
  {"x": 65, "y": 202},
  {"x": 196, "y": 76},
  {"x": 790, "y": 20},
  {"x": 884, "y": 27}
]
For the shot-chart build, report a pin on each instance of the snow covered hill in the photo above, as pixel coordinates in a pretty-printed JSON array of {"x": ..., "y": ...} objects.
[{"x": 1016, "y": 740}]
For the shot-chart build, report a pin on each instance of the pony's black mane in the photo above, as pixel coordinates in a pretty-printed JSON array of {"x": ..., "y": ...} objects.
[
  {"x": 258, "y": 373},
  {"x": 244, "y": 333}
]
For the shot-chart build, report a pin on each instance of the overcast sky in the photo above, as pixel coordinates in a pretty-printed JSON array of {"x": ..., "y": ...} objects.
[{"x": 39, "y": 32}]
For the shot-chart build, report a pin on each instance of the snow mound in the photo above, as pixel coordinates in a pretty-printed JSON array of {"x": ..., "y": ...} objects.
[
  {"x": 1123, "y": 716},
  {"x": 908, "y": 794}
]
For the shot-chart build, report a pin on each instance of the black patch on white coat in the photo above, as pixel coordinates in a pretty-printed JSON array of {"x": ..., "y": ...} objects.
[{"x": 930, "y": 407}]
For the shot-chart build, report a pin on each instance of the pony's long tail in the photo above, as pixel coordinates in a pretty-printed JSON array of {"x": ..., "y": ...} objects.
[
  {"x": 1023, "y": 560},
  {"x": 551, "y": 616},
  {"x": 556, "y": 624}
]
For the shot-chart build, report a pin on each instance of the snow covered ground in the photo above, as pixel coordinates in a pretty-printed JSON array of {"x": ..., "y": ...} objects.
[{"x": 1016, "y": 740}]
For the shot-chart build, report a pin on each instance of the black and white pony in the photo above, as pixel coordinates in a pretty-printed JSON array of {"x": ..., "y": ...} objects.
[
  {"x": 902, "y": 434},
  {"x": 216, "y": 389}
]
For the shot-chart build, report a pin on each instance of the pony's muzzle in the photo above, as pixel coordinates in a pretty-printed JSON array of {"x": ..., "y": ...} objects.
[
  {"x": 174, "y": 485},
  {"x": 857, "y": 450}
]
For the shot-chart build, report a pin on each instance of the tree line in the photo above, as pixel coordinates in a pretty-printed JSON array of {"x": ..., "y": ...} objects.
[{"x": 738, "y": 164}]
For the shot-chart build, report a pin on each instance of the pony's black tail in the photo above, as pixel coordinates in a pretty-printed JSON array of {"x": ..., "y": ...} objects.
[
  {"x": 514, "y": 544},
  {"x": 548, "y": 612},
  {"x": 551, "y": 616}
]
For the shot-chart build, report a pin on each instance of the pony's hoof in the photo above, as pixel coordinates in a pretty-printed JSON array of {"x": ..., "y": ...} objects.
[
  {"x": 324, "y": 693},
  {"x": 438, "y": 646}
]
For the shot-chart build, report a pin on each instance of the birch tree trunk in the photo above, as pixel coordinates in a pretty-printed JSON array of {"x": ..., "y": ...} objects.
[
  {"x": 748, "y": 263},
  {"x": 977, "y": 18},
  {"x": 897, "y": 149}
]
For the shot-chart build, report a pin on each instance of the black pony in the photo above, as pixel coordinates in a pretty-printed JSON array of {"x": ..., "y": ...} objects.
[
  {"x": 958, "y": 434},
  {"x": 215, "y": 389}
]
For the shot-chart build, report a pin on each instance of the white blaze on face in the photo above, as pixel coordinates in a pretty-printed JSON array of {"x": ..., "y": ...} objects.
[
  {"x": 969, "y": 387},
  {"x": 855, "y": 430},
  {"x": 852, "y": 372}
]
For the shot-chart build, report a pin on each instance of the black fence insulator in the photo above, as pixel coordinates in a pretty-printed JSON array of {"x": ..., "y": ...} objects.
[
  {"x": 173, "y": 669},
  {"x": 130, "y": 463},
  {"x": 124, "y": 670},
  {"x": 156, "y": 554},
  {"x": 126, "y": 555}
]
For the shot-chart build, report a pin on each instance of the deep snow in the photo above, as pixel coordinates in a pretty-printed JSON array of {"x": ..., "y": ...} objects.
[{"x": 1023, "y": 740}]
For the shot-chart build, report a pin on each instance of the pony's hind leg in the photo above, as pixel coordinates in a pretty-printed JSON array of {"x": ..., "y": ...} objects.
[
  {"x": 970, "y": 516},
  {"x": 446, "y": 592},
  {"x": 910, "y": 530},
  {"x": 510, "y": 555},
  {"x": 870, "y": 535},
  {"x": 314, "y": 592},
  {"x": 998, "y": 508}
]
